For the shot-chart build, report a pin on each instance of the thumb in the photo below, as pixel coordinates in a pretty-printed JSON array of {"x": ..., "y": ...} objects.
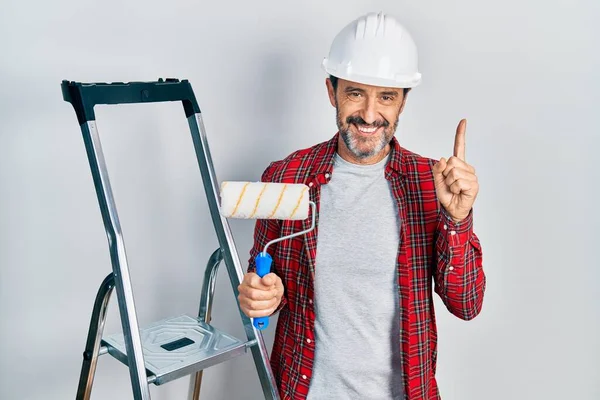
[
  {"x": 438, "y": 169},
  {"x": 269, "y": 280}
]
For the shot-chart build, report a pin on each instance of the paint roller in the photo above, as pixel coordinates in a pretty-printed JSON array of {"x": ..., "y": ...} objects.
[{"x": 262, "y": 200}]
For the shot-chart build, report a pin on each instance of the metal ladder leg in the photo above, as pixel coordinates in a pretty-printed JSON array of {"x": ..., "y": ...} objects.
[
  {"x": 230, "y": 255},
  {"x": 135, "y": 359},
  {"x": 92, "y": 347},
  {"x": 204, "y": 314}
]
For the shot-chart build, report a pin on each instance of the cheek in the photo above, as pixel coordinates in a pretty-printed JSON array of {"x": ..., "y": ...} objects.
[
  {"x": 348, "y": 109},
  {"x": 391, "y": 115},
  {"x": 342, "y": 113}
]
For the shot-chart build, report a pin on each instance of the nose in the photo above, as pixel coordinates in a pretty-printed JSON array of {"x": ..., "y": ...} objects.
[{"x": 369, "y": 111}]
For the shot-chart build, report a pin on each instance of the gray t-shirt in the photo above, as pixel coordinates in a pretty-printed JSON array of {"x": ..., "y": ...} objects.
[{"x": 357, "y": 328}]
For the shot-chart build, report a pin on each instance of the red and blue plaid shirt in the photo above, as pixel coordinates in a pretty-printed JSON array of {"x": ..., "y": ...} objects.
[{"x": 435, "y": 254}]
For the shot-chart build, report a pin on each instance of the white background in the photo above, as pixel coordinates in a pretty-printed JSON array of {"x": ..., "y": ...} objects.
[{"x": 524, "y": 74}]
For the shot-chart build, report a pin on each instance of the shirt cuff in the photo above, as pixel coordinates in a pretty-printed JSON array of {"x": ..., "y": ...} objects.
[
  {"x": 456, "y": 233},
  {"x": 453, "y": 238}
]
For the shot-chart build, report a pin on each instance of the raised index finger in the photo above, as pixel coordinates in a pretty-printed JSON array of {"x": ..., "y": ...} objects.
[{"x": 459, "y": 140}]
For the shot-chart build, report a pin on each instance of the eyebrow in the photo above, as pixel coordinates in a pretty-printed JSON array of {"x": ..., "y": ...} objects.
[
  {"x": 385, "y": 93},
  {"x": 353, "y": 89}
]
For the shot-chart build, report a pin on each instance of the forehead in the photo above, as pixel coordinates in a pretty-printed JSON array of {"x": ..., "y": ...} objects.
[{"x": 367, "y": 88}]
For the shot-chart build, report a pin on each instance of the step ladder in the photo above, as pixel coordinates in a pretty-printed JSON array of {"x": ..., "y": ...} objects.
[{"x": 174, "y": 347}]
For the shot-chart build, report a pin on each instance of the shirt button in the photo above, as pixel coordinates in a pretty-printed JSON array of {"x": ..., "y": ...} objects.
[
  {"x": 445, "y": 227},
  {"x": 308, "y": 340},
  {"x": 453, "y": 233},
  {"x": 309, "y": 301},
  {"x": 311, "y": 184},
  {"x": 451, "y": 268},
  {"x": 303, "y": 376},
  {"x": 327, "y": 175}
]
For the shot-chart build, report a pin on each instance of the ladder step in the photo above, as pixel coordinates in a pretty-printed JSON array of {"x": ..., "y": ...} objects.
[{"x": 179, "y": 346}]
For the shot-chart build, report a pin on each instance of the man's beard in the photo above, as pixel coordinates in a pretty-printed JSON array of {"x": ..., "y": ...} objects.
[{"x": 374, "y": 144}]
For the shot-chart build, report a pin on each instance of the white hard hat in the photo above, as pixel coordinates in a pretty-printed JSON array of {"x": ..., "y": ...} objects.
[{"x": 374, "y": 49}]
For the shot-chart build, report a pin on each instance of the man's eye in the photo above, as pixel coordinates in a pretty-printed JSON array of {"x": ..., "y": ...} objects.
[
  {"x": 387, "y": 98},
  {"x": 354, "y": 94}
]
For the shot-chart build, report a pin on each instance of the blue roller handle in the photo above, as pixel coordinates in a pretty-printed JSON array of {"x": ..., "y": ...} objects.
[{"x": 263, "y": 267}]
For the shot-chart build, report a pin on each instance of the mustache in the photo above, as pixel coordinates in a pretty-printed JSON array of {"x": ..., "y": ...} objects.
[{"x": 359, "y": 121}]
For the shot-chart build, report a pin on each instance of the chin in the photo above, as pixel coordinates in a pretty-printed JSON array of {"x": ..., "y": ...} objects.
[
  {"x": 365, "y": 151},
  {"x": 362, "y": 146},
  {"x": 371, "y": 146},
  {"x": 363, "y": 155}
]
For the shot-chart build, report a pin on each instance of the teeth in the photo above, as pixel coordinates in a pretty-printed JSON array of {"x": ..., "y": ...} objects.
[{"x": 366, "y": 130}]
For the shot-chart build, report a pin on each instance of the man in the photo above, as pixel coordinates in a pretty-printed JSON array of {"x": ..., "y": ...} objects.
[{"x": 356, "y": 317}]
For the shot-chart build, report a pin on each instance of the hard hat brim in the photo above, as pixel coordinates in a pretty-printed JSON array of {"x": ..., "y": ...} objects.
[{"x": 399, "y": 81}]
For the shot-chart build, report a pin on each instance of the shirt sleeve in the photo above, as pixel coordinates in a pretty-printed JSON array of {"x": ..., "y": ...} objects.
[
  {"x": 458, "y": 270},
  {"x": 266, "y": 230}
]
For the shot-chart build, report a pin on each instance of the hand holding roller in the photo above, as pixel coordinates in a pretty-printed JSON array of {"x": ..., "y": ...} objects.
[{"x": 261, "y": 200}]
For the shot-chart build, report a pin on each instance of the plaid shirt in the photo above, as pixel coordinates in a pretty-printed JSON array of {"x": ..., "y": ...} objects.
[{"x": 432, "y": 249}]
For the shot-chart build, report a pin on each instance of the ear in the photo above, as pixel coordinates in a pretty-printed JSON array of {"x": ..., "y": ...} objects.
[{"x": 330, "y": 91}]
